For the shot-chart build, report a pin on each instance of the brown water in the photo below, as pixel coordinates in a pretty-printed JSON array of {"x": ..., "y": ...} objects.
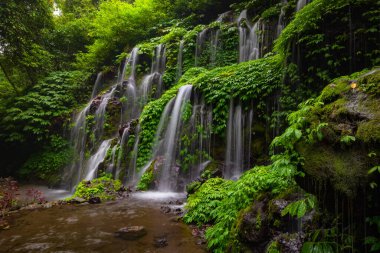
[{"x": 91, "y": 228}]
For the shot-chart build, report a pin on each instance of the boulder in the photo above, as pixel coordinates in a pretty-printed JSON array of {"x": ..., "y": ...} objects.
[
  {"x": 77, "y": 200},
  {"x": 94, "y": 200},
  {"x": 131, "y": 232}
]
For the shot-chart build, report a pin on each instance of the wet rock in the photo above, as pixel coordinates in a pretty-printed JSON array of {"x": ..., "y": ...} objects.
[
  {"x": 4, "y": 224},
  {"x": 77, "y": 200},
  {"x": 254, "y": 226},
  {"x": 199, "y": 233},
  {"x": 178, "y": 211},
  {"x": 95, "y": 104},
  {"x": 94, "y": 200},
  {"x": 160, "y": 242},
  {"x": 290, "y": 243},
  {"x": 48, "y": 205},
  {"x": 131, "y": 232},
  {"x": 165, "y": 209},
  {"x": 130, "y": 127}
]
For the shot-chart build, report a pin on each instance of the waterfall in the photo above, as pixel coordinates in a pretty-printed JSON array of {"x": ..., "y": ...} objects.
[
  {"x": 155, "y": 76},
  {"x": 200, "y": 126},
  {"x": 79, "y": 169},
  {"x": 250, "y": 121},
  {"x": 98, "y": 85},
  {"x": 129, "y": 107},
  {"x": 132, "y": 178},
  {"x": 281, "y": 21},
  {"x": 78, "y": 140},
  {"x": 249, "y": 39},
  {"x": 301, "y": 4},
  {"x": 101, "y": 111},
  {"x": 162, "y": 126},
  {"x": 180, "y": 60},
  {"x": 96, "y": 159},
  {"x": 224, "y": 17},
  {"x": 235, "y": 147},
  {"x": 131, "y": 62},
  {"x": 171, "y": 139},
  {"x": 238, "y": 143},
  {"x": 214, "y": 46},
  {"x": 201, "y": 38},
  {"x": 137, "y": 98},
  {"x": 123, "y": 140},
  {"x": 158, "y": 67},
  {"x": 111, "y": 168}
]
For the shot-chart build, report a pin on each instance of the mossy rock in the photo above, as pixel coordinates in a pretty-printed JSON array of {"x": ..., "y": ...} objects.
[
  {"x": 370, "y": 82},
  {"x": 103, "y": 187},
  {"x": 333, "y": 91},
  {"x": 213, "y": 169},
  {"x": 369, "y": 132},
  {"x": 193, "y": 187},
  {"x": 346, "y": 170}
]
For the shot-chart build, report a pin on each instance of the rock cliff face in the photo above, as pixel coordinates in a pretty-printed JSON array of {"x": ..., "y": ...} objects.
[
  {"x": 338, "y": 150},
  {"x": 350, "y": 146}
]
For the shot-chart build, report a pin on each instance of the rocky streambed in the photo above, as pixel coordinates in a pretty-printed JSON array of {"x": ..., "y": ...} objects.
[{"x": 144, "y": 222}]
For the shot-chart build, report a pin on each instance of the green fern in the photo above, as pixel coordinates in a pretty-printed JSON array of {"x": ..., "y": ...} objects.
[{"x": 300, "y": 207}]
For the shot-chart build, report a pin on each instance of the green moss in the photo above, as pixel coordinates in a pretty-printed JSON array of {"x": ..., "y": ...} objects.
[
  {"x": 334, "y": 91},
  {"x": 346, "y": 170},
  {"x": 211, "y": 170},
  {"x": 103, "y": 187},
  {"x": 370, "y": 83},
  {"x": 193, "y": 187},
  {"x": 369, "y": 132},
  {"x": 334, "y": 109}
]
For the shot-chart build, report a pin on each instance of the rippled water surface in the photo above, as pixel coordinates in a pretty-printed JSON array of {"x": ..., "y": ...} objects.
[{"x": 91, "y": 228}]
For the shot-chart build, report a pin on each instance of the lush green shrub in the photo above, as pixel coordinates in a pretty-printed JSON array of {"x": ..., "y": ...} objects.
[
  {"x": 103, "y": 187},
  {"x": 43, "y": 110},
  {"x": 208, "y": 197},
  {"x": 47, "y": 164},
  {"x": 239, "y": 196},
  {"x": 248, "y": 81}
]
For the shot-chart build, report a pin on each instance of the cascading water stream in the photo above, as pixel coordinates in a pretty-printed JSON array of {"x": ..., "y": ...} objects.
[
  {"x": 132, "y": 177},
  {"x": 96, "y": 159},
  {"x": 101, "y": 111},
  {"x": 155, "y": 76},
  {"x": 129, "y": 107},
  {"x": 138, "y": 98},
  {"x": 98, "y": 85},
  {"x": 201, "y": 126},
  {"x": 78, "y": 140},
  {"x": 111, "y": 168},
  {"x": 281, "y": 21},
  {"x": 235, "y": 144},
  {"x": 201, "y": 38},
  {"x": 123, "y": 140},
  {"x": 249, "y": 40},
  {"x": 214, "y": 46},
  {"x": 171, "y": 139},
  {"x": 301, "y": 4}
]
